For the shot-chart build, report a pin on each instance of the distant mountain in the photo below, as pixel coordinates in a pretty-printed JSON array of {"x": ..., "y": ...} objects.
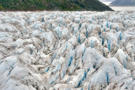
[
  {"x": 123, "y": 3},
  {"x": 53, "y": 5},
  {"x": 106, "y": 0}
]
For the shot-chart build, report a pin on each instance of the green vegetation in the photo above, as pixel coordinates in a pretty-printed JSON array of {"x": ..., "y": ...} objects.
[{"x": 62, "y": 5}]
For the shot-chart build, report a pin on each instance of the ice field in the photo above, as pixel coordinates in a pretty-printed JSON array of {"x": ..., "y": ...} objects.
[{"x": 67, "y": 50}]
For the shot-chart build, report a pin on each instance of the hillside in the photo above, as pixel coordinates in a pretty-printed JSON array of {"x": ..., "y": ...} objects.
[
  {"x": 123, "y": 3},
  {"x": 52, "y": 5}
]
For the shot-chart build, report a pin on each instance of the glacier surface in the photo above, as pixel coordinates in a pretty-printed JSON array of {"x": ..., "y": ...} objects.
[{"x": 67, "y": 50}]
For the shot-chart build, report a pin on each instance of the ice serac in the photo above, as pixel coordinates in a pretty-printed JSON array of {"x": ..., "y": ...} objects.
[{"x": 67, "y": 50}]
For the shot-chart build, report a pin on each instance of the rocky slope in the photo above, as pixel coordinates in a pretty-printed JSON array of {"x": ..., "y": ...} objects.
[
  {"x": 63, "y": 5},
  {"x": 67, "y": 50}
]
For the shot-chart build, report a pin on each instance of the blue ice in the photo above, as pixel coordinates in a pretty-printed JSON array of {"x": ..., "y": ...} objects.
[
  {"x": 83, "y": 78},
  {"x": 70, "y": 61},
  {"x": 79, "y": 39},
  {"x": 107, "y": 78},
  {"x": 109, "y": 45},
  {"x": 120, "y": 36},
  {"x": 86, "y": 34}
]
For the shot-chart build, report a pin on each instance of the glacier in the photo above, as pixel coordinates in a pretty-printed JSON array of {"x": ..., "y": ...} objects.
[{"x": 55, "y": 50}]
